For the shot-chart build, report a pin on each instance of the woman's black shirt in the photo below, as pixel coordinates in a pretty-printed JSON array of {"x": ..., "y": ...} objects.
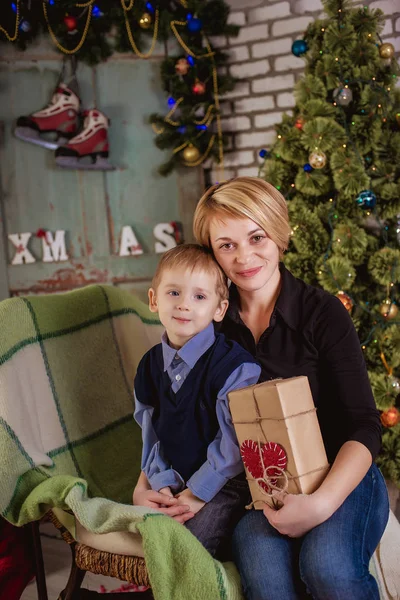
[{"x": 312, "y": 334}]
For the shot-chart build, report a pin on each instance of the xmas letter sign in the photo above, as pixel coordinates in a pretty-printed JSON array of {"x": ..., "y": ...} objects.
[{"x": 167, "y": 235}]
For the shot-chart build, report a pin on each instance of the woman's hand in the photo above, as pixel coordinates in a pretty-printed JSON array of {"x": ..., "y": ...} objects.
[
  {"x": 187, "y": 497},
  {"x": 298, "y": 514},
  {"x": 165, "y": 503}
]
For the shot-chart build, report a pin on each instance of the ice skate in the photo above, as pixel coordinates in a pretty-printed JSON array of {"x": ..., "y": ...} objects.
[
  {"x": 88, "y": 149},
  {"x": 54, "y": 125}
]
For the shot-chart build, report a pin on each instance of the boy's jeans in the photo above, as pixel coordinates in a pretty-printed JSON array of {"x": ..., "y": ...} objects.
[
  {"x": 330, "y": 562},
  {"x": 213, "y": 525}
]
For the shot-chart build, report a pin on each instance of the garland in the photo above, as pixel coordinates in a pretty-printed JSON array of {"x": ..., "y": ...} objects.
[{"x": 93, "y": 30}]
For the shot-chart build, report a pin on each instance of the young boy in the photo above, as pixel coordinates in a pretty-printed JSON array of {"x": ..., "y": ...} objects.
[{"x": 190, "y": 449}]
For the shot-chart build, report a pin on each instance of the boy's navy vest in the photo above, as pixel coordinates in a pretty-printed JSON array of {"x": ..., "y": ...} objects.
[{"x": 186, "y": 422}]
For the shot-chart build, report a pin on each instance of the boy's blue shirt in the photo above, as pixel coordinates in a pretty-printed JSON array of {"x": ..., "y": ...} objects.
[{"x": 223, "y": 456}]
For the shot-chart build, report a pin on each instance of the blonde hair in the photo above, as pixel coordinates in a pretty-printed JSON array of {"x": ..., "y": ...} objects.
[
  {"x": 244, "y": 197},
  {"x": 194, "y": 258}
]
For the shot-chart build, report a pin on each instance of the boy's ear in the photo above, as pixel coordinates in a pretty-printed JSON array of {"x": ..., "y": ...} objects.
[
  {"x": 221, "y": 310},
  {"x": 153, "y": 306}
]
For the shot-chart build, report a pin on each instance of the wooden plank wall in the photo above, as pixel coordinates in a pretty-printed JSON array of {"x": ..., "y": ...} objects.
[{"x": 91, "y": 206}]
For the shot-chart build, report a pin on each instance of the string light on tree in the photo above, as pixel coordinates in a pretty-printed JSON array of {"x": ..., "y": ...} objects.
[{"x": 96, "y": 12}]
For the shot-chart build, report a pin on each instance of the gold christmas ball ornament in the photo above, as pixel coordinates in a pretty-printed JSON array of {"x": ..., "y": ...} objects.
[
  {"x": 388, "y": 309},
  {"x": 398, "y": 118},
  {"x": 191, "y": 154},
  {"x": 390, "y": 417},
  {"x": 345, "y": 300},
  {"x": 386, "y": 50},
  {"x": 145, "y": 21},
  {"x": 317, "y": 159}
]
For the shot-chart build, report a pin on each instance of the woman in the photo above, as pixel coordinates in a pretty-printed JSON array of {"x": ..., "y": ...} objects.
[{"x": 318, "y": 544}]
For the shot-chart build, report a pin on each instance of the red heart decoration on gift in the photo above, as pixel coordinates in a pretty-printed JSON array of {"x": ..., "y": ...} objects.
[{"x": 273, "y": 455}]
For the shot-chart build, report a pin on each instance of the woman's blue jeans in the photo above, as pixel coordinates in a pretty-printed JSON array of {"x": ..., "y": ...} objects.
[{"x": 329, "y": 563}]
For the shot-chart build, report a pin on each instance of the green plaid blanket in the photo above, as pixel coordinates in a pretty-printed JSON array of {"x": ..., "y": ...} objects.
[{"x": 67, "y": 435}]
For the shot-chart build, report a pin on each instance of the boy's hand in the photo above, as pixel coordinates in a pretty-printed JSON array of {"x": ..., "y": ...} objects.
[
  {"x": 170, "y": 506},
  {"x": 152, "y": 499},
  {"x": 194, "y": 503},
  {"x": 167, "y": 492}
]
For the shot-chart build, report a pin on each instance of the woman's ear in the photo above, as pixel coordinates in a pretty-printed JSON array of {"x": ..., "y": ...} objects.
[
  {"x": 221, "y": 310},
  {"x": 153, "y": 306}
]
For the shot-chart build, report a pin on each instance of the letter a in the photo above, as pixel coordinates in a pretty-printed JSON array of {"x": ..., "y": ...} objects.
[{"x": 129, "y": 244}]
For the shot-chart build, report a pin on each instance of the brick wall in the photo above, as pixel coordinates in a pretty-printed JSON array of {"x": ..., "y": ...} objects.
[{"x": 261, "y": 58}]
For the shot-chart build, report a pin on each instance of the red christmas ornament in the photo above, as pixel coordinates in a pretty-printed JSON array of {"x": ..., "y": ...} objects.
[
  {"x": 198, "y": 88},
  {"x": 272, "y": 454},
  {"x": 390, "y": 417},
  {"x": 70, "y": 23},
  {"x": 41, "y": 233},
  {"x": 299, "y": 123}
]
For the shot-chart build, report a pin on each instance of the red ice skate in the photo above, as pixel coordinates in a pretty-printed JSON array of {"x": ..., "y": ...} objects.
[
  {"x": 88, "y": 149},
  {"x": 54, "y": 125}
]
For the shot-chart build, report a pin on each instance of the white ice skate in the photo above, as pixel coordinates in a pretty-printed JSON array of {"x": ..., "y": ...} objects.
[{"x": 89, "y": 149}]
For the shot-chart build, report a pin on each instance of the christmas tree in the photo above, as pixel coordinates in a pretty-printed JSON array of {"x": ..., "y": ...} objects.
[{"x": 337, "y": 161}]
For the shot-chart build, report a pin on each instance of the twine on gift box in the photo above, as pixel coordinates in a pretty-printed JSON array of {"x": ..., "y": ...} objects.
[
  {"x": 259, "y": 419},
  {"x": 267, "y": 479}
]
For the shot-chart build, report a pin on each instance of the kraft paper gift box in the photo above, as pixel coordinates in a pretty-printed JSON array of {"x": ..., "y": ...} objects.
[{"x": 279, "y": 414}]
